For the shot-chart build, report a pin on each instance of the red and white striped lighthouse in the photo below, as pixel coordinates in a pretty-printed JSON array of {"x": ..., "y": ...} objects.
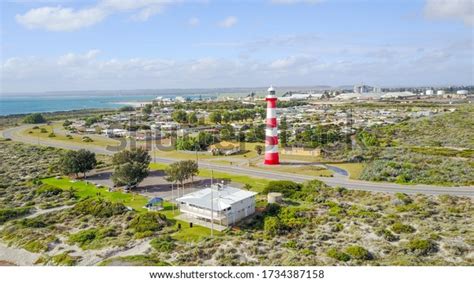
[{"x": 271, "y": 131}]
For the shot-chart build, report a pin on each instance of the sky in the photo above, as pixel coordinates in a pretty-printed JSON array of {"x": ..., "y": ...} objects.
[{"x": 158, "y": 44}]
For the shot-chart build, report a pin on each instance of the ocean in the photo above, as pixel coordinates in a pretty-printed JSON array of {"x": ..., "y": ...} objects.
[{"x": 35, "y": 103}]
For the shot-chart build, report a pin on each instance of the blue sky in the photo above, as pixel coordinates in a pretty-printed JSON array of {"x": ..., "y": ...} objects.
[{"x": 137, "y": 44}]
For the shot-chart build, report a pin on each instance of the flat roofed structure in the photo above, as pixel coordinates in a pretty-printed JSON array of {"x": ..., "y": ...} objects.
[{"x": 228, "y": 204}]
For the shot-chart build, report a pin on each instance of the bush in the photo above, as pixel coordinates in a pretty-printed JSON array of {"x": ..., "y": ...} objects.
[
  {"x": 163, "y": 244},
  {"x": 9, "y": 214},
  {"x": 48, "y": 190},
  {"x": 84, "y": 237},
  {"x": 34, "y": 118},
  {"x": 87, "y": 139},
  {"x": 335, "y": 254},
  {"x": 273, "y": 226},
  {"x": 404, "y": 198},
  {"x": 32, "y": 223},
  {"x": 149, "y": 221},
  {"x": 358, "y": 252},
  {"x": 272, "y": 209},
  {"x": 51, "y": 135},
  {"x": 99, "y": 208},
  {"x": 286, "y": 187},
  {"x": 399, "y": 227},
  {"x": 64, "y": 259},
  {"x": 387, "y": 235},
  {"x": 43, "y": 130},
  {"x": 421, "y": 247}
]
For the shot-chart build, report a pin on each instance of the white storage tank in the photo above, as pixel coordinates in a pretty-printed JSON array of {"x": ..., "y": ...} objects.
[
  {"x": 440, "y": 92},
  {"x": 274, "y": 197},
  {"x": 429, "y": 92}
]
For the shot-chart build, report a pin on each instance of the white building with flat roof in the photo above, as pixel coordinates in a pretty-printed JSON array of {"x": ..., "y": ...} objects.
[{"x": 225, "y": 205}]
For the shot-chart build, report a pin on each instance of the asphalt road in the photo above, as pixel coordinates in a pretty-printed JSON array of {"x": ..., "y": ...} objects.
[{"x": 13, "y": 133}]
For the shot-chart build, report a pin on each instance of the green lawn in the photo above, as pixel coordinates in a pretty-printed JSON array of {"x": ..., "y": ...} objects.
[
  {"x": 302, "y": 169},
  {"x": 84, "y": 189},
  {"x": 354, "y": 169},
  {"x": 257, "y": 183},
  {"x": 75, "y": 138}
]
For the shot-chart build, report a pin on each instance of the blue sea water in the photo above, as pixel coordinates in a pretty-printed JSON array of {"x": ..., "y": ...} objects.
[{"x": 38, "y": 104}]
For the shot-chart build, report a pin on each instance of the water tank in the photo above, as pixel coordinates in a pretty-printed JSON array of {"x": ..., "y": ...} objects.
[
  {"x": 274, "y": 197},
  {"x": 440, "y": 92},
  {"x": 429, "y": 92}
]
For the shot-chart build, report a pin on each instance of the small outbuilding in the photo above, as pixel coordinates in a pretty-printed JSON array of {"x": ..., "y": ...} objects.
[{"x": 155, "y": 204}]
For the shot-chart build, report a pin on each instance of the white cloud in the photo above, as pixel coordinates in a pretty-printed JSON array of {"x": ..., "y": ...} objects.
[
  {"x": 89, "y": 70},
  {"x": 462, "y": 10},
  {"x": 290, "y": 2},
  {"x": 68, "y": 19},
  {"x": 194, "y": 21},
  {"x": 228, "y": 22},
  {"x": 60, "y": 19}
]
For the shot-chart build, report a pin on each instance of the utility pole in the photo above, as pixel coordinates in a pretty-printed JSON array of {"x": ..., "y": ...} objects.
[
  {"x": 212, "y": 205},
  {"x": 172, "y": 197}
]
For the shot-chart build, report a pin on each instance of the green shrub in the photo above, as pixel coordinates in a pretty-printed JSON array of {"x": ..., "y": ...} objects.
[
  {"x": 99, "y": 208},
  {"x": 404, "y": 198},
  {"x": 51, "y": 135},
  {"x": 421, "y": 247},
  {"x": 286, "y": 187},
  {"x": 48, "y": 190},
  {"x": 149, "y": 221},
  {"x": 35, "y": 247},
  {"x": 163, "y": 244},
  {"x": 32, "y": 223},
  {"x": 9, "y": 214},
  {"x": 358, "y": 252},
  {"x": 387, "y": 235},
  {"x": 43, "y": 130},
  {"x": 64, "y": 259},
  {"x": 338, "y": 255},
  {"x": 34, "y": 118},
  {"x": 399, "y": 227},
  {"x": 84, "y": 237},
  {"x": 273, "y": 226}
]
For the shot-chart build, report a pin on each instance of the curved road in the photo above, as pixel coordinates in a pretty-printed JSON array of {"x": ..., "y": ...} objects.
[{"x": 14, "y": 134}]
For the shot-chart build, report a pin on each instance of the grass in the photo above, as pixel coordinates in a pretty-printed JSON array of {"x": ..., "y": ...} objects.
[
  {"x": 74, "y": 138},
  {"x": 354, "y": 169},
  {"x": 84, "y": 189},
  {"x": 257, "y": 183},
  {"x": 303, "y": 169}
]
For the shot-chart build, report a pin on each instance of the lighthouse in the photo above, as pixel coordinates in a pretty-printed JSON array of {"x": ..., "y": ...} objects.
[{"x": 271, "y": 130}]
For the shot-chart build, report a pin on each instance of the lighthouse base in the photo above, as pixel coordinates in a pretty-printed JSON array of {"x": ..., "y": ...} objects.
[{"x": 271, "y": 159}]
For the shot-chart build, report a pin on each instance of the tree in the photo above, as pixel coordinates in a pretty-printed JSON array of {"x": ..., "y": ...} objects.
[
  {"x": 131, "y": 167},
  {"x": 227, "y": 132},
  {"x": 129, "y": 174},
  {"x": 91, "y": 120},
  {"x": 77, "y": 162},
  {"x": 179, "y": 116},
  {"x": 283, "y": 133},
  {"x": 226, "y": 116},
  {"x": 181, "y": 171},
  {"x": 34, "y": 118},
  {"x": 259, "y": 149},
  {"x": 147, "y": 109},
  {"x": 215, "y": 117},
  {"x": 138, "y": 155},
  {"x": 192, "y": 118}
]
